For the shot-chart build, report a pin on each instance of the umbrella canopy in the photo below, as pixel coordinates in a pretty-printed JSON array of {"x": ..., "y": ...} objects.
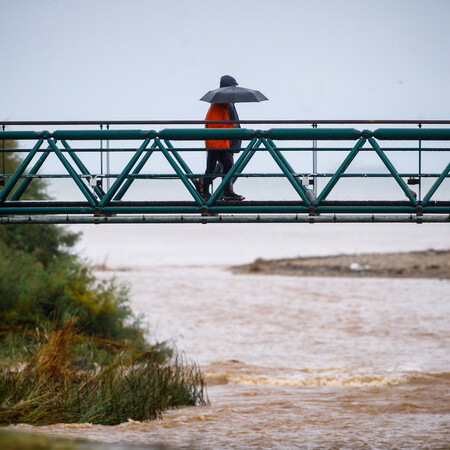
[{"x": 233, "y": 94}]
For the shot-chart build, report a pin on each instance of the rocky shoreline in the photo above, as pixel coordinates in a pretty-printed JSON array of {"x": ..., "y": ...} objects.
[{"x": 419, "y": 264}]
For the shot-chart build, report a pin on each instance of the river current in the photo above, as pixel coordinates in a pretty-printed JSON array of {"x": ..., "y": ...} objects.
[{"x": 290, "y": 362}]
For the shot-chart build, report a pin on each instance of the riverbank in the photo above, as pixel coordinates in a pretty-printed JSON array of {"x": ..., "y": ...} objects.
[
  {"x": 20, "y": 440},
  {"x": 419, "y": 264}
]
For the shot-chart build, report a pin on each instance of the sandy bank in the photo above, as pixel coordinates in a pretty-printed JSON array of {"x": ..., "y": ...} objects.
[{"x": 421, "y": 264}]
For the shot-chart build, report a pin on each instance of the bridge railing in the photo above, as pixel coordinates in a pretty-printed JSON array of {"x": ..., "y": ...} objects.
[{"x": 80, "y": 156}]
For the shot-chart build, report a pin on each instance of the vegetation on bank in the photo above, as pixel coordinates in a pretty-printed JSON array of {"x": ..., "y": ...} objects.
[
  {"x": 52, "y": 388},
  {"x": 71, "y": 350}
]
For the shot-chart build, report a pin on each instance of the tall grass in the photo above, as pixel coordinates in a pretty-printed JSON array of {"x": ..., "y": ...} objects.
[
  {"x": 51, "y": 389},
  {"x": 19, "y": 344}
]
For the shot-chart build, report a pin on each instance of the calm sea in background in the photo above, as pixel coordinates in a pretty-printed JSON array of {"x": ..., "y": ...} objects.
[{"x": 291, "y": 362}]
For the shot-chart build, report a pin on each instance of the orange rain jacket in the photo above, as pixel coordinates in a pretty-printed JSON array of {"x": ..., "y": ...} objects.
[{"x": 218, "y": 111}]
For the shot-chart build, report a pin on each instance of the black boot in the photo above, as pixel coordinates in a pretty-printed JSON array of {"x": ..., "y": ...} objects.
[
  {"x": 233, "y": 196},
  {"x": 202, "y": 188}
]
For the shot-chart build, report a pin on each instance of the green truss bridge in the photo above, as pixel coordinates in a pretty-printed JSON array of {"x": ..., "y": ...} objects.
[{"x": 290, "y": 171}]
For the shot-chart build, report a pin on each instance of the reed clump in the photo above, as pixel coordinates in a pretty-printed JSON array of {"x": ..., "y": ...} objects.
[{"x": 52, "y": 389}]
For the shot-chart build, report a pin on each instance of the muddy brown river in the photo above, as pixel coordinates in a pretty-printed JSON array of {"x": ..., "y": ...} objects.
[{"x": 291, "y": 362}]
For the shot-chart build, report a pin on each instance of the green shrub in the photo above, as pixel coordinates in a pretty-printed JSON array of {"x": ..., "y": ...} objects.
[
  {"x": 31, "y": 293},
  {"x": 43, "y": 283}
]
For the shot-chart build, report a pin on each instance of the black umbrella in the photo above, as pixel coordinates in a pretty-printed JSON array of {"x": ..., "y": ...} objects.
[{"x": 233, "y": 94}]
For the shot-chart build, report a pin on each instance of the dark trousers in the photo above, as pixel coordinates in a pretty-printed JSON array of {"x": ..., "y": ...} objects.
[{"x": 225, "y": 159}]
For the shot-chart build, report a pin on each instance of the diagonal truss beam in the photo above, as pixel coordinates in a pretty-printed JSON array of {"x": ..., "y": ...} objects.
[
  {"x": 136, "y": 171},
  {"x": 189, "y": 185},
  {"x": 287, "y": 170},
  {"x": 246, "y": 160},
  {"x": 19, "y": 172},
  {"x": 79, "y": 182},
  {"x": 177, "y": 156},
  {"x": 238, "y": 166},
  {"x": 124, "y": 174},
  {"x": 291, "y": 171},
  {"x": 98, "y": 190},
  {"x": 342, "y": 168},
  {"x": 436, "y": 184},
  {"x": 392, "y": 169},
  {"x": 34, "y": 170}
]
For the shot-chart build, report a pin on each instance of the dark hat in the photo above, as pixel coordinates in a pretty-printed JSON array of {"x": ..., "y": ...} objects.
[{"x": 227, "y": 80}]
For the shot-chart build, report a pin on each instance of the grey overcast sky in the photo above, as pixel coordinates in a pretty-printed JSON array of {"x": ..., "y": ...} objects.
[{"x": 154, "y": 59}]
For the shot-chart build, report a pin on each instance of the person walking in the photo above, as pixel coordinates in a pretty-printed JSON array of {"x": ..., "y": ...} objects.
[{"x": 219, "y": 158}]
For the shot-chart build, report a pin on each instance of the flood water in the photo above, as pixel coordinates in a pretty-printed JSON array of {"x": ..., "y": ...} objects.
[{"x": 291, "y": 362}]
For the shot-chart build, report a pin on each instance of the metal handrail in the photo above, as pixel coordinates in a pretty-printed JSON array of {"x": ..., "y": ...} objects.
[
  {"x": 203, "y": 122},
  {"x": 190, "y": 134}
]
